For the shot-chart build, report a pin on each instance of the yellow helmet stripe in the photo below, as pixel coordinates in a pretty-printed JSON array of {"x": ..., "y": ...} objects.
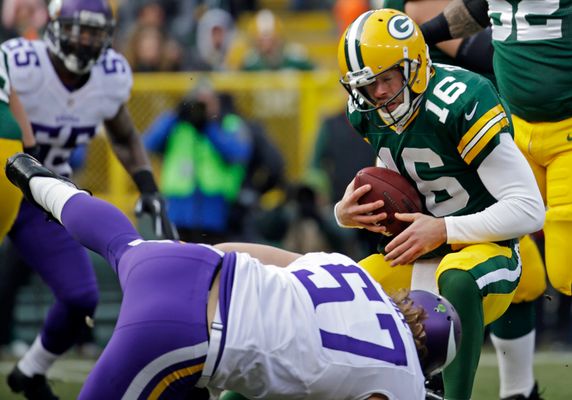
[{"x": 354, "y": 59}]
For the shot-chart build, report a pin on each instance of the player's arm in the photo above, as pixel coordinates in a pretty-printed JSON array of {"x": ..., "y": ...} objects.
[
  {"x": 519, "y": 209},
  {"x": 129, "y": 149},
  {"x": 266, "y": 254},
  {"x": 19, "y": 114},
  {"x": 461, "y": 18}
]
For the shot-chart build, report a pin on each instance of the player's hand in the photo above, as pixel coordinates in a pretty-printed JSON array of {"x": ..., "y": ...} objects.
[
  {"x": 351, "y": 214},
  {"x": 154, "y": 205},
  {"x": 425, "y": 234}
]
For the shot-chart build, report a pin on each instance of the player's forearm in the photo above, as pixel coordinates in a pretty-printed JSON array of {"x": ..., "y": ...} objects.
[
  {"x": 519, "y": 210},
  {"x": 20, "y": 115},
  {"x": 461, "y": 18},
  {"x": 266, "y": 254}
]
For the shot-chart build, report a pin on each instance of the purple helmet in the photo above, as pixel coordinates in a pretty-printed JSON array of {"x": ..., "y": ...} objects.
[
  {"x": 79, "y": 31},
  {"x": 443, "y": 330}
]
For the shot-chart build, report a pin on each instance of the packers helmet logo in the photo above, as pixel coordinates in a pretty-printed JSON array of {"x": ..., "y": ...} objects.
[{"x": 400, "y": 27}]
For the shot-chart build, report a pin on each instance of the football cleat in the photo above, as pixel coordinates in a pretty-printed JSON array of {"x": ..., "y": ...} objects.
[
  {"x": 22, "y": 167},
  {"x": 34, "y": 388},
  {"x": 534, "y": 395}
]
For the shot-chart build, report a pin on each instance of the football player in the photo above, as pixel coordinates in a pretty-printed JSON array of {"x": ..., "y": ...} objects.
[
  {"x": 532, "y": 44},
  {"x": 265, "y": 322},
  {"x": 70, "y": 83},
  {"x": 15, "y": 132},
  {"x": 447, "y": 131}
]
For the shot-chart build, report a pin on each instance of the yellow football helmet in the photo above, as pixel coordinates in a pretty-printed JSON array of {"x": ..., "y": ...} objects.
[{"x": 378, "y": 41}]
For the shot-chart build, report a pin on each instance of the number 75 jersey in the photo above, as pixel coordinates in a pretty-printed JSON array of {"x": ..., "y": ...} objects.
[
  {"x": 457, "y": 125},
  {"x": 62, "y": 119}
]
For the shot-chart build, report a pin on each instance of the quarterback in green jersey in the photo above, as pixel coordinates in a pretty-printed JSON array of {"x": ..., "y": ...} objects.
[
  {"x": 13, "y": 123},
  {"x": 532, "y": 51},
  {"x": 447, "y": 131}
]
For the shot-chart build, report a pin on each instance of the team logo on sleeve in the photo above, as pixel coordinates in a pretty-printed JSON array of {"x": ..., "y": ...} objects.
[{"x": 400, "y": 27}]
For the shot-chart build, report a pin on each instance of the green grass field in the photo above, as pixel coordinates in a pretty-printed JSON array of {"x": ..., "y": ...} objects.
[{"x": 553, "y": 370}]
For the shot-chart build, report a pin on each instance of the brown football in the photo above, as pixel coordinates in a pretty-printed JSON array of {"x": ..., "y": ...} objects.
[{"x": 396, "y": 192}]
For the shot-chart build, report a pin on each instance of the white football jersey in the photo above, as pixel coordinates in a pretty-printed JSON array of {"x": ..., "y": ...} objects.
[
  {"x": 321, "y": 328},
  {"x": 62, "y": 119}
]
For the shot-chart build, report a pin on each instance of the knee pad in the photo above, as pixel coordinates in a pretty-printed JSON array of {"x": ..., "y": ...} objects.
[
  {"x": 532, "y": 281},
  {"x": 390, "y": 278},
  {"x": 81, "y": 302}
]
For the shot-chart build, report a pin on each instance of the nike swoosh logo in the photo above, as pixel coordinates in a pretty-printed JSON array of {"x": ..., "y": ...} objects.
[
  {"x": 569, "y": 137},
  {"x": 470, "y": 115}
]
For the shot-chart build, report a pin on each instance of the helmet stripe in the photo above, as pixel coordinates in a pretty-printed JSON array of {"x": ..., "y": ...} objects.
[{"x": 353, "y": 54}]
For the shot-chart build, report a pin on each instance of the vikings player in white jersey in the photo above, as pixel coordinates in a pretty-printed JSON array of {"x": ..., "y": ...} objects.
[
  {"x": 261, "y": 321},
  {"x": 70, "y": 83}
]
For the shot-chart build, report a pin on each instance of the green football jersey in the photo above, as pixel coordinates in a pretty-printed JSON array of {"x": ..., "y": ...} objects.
[
  {"x": 4, "y": 81},
  {"x": 456, "y": 126},
  {"x": 9, "y": 128},
  {"x": 533, "y": 55}
]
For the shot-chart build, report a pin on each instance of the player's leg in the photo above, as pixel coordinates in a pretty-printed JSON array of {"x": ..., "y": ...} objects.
[
  {"x": 391, "y": 278},
  {"x": 480, "y": 281},
  {"x": 159, "y": 345},
  {"x": 558, "y": 225},
  {"x": 513, "y": 334},
  {"x": 65, "y": 267}
]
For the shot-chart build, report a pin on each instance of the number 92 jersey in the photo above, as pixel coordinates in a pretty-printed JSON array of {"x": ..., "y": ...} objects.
[
  {"x": 456, "y": 126},
  {"x": 320, "y": 328},
  {"x": 62, "y": 119}
]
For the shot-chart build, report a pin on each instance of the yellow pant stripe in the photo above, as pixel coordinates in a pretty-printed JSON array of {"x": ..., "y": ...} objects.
[{"x": 172, "y": 377}]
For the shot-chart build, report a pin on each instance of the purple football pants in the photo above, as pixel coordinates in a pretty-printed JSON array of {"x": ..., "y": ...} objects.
[
  {"x": 159, "y": 344},
  {"x": 65, "y": 267}
]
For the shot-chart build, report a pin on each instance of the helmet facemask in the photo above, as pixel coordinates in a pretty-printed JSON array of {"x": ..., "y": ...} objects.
[
  {"x": 356, "y": 82},
  {"x": 79, "y": 41}
]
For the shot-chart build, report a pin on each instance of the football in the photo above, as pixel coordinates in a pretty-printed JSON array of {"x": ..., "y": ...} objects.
[{"x": 396, "y": 192}]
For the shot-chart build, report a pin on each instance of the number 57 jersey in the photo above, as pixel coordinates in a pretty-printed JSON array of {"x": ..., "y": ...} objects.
[
  {"x": 62, "y": 119},
  {"x": 321, "y": 328}
]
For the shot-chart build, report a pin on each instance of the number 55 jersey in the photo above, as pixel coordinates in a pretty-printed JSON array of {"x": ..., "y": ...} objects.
[
  {"x": 319, "y": 327},
  {"x": 62, "y": 119}
]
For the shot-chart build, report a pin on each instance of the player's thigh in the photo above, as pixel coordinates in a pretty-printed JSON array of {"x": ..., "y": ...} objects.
[
  {"x": 48, "y": 248},
  {"x": 524, "y": 136},
  {"x": 390, "y": 278},
  {"x": 10, "y": 196},
  {"x": 558, "y": 223},
  {"x": 496, "y": 270},
  {"x": 159, "y": 346},
  {"x": 533, "y": 280},
  {"x": 148, "y": 361}
]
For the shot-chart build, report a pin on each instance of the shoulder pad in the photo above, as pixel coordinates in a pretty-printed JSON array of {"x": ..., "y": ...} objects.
[
  {"x": 117, "y": 78},
  {"x": 25, "y": 60}
]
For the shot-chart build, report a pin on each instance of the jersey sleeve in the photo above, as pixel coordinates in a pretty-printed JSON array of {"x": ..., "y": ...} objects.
[
  {"x": 118, "y": 80},
  {"x": 476, "y": 115},
  {"x": 356, "y": 119},
  {"x": 23, "y": 62},
  {"x": 4, "y": 79}
]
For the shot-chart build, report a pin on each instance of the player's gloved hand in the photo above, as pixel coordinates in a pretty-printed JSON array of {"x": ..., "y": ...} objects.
[
  {"x": 33, "y": 150},
  {"x": 154, "y": 205}
]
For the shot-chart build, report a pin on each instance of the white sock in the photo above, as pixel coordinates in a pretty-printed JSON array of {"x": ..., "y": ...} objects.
[
  {"x": 52, "y": 194},
  {"x": 516, "y": 359},
  {"x": 37, "y": 360}
]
